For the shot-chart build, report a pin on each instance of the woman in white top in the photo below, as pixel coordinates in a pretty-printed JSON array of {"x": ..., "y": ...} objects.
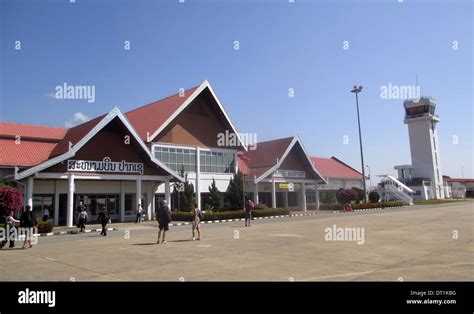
[
  {"x": 196, "y": 221},
  {"x": 11, "y": 231}
]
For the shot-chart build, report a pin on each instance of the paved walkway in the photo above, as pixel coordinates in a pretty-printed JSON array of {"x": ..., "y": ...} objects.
[
  {"x": 406, "y": 244},
  {"x": 61, "y": 230}
]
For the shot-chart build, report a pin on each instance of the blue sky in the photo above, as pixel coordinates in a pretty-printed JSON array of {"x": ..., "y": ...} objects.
[{"x": 281, "y": 45}]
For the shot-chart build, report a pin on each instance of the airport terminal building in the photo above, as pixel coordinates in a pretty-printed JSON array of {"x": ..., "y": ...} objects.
[{"x": 122, "y": 160}]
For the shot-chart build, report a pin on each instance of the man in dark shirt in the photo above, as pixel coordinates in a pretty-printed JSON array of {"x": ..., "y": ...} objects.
[
  {"x": 104, "y": 219},
  {"x": 163, "y": 215}
]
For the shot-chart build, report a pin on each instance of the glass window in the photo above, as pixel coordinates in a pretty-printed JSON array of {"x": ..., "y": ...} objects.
[
  {"x": 129, "y": 208},
  {"x": 112, "y": 204},
  {"x": 172, "y": 158},
  {"x": 165, "y": 157}
]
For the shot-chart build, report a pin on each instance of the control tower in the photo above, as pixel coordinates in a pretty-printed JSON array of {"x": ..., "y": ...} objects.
[{"x": 424, "y": 175}]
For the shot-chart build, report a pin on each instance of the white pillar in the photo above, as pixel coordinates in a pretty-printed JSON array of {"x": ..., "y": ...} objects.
[
  {"x": 138, "y": 192},
  {"x": 316, "y": 191},
  {"x": 122, "y": 201},
  {"x": 29, "y": 191},
  {"x": 198, "y": 177},
  {"x": 56, "y": 202},
  {"x": 153, "y": 199},
  {"x": 273, "y": 195},
  {"x": 303, "y": 191},
  {"x": 256, "y": 194},
  {"x": 149, "y": 199},
  {"x": 167, "y": 192},
  {"x": 70, "y": 200}
]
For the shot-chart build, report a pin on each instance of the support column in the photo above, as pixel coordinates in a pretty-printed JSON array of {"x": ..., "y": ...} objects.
[
  {"x": 153, "y": 199},
  {"x": 286, "y": 199},
  {"x": 273, "y": 195},
  {"x": 56, "y": 202},
  {"x": 198, "y": 177},
  {"x": 122, "y": 201},
  {"x": 316, "y": 191},
  {"x": 149, "y": 199},
  {"x": 29, "y": 191},
  {"x": 303, "y": 191},
  {"x": 138, "y": 193},
  {"x": 70, "y": 200},
  {"x": 256, "y": 200},
  {"x": 167, "y": 192}
]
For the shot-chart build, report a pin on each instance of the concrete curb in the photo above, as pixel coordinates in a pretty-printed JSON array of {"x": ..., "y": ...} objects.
[
  {"x": 369, "y": 209},
  {"x": 254, "y": 218},
  {"x": 71, "y": 232}
]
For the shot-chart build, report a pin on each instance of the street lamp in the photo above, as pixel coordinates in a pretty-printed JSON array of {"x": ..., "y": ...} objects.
[
  {"x": 370, "y": 177},
  {"x": 357, "y": 90}
]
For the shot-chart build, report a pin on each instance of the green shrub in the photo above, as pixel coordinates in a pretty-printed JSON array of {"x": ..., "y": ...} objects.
[
  {"x": 45, "y": 226},
  {"x": 330, "y": 207},
  {"x": 362, "y": 206},
  {"x": 374, "y": 196},
  {"x": 234, "y": 214},
  {"x": 261, "y": 206}
]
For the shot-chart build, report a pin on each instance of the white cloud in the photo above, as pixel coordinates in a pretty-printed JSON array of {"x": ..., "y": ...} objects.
[{"x": 78, "y": 118}]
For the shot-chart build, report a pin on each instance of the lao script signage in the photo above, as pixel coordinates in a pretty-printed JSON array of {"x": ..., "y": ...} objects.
[
  {"x": 289, "y": 174},
  {"x": 105, "y": 165}
]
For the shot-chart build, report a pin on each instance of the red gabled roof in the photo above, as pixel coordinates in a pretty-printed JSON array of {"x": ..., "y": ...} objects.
[
  {"x": 24, "y": 154},
  {"x": 74, "y": 135},
  {"x": 8, "y": 129},
  {"x": 26, "y": 145},
  {"x": 40, "y": 143},
  {"x": 149, "y": 118},
  {"x": 334, "y": 168},
  {"x": 264, "y": 157}
]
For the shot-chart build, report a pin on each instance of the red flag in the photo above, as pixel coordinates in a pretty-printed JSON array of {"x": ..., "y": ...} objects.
[{"x": 244, "y": 157}]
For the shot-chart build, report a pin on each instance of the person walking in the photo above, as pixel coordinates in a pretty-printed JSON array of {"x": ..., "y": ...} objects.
[
  {"x": 27, "y": 222},
  {"x": 139, "y": 212},
  {"x": 248, "y": 212},
  {"x": 163, "y": 215},
  {"x": 82, "y": 219},
  {"x": 45, "y": 213},
  {"x": 197, "y": 217},
  {"x": 104, "y": 219},
  {"x": 79, "y": 209},
  {"x": 10, "y": 230}
]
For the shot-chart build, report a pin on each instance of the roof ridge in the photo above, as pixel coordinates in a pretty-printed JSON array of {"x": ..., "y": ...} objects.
[{"x": 162, "y": 99}]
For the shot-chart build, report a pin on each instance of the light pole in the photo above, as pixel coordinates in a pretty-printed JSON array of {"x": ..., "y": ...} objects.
[
  {"x": 357, "y": 90},
  {"x": 370, "y": 177}
]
